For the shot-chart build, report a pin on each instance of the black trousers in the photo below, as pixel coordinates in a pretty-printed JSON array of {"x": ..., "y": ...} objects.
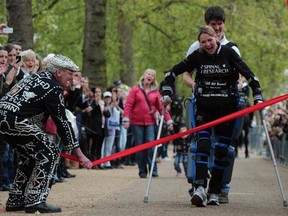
[
  {"x": 37, "y": 158},
  {"x": 223, "y": 134}
]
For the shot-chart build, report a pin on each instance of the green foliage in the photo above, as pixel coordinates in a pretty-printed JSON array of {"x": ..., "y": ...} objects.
[
  {"x": 163, "y": 32},
  {"x": 59, "y": 29},
  {"x": 112, "y": 43},
  {"x": 3, "y": 18},
  {"x": 261, "y": 38}
]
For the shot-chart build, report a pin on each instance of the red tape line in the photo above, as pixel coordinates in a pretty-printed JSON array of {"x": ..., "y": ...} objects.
[
  {"x": 151, "y": 144},
  {"x": 68, "y": 156}
]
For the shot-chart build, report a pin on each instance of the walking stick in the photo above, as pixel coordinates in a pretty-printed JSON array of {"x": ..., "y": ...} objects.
[
  {"x": 154, "y": 155},
  {"x": 285, "y": 202}
]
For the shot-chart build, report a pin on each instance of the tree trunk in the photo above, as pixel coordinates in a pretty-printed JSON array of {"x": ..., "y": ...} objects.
[
  {"x": 125, "y": 32},
  {"x": 20, "y": 19},
  {"x": 94, "y": 57}
]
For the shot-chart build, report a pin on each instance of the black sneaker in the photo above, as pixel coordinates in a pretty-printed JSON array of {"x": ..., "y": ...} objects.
[
  {"x": 154, "y": 174},
  {"x": 15, "y": 208},
  {"x": 42, "y": 208},
  {"x": 223, "y": 198},
  {"x": 4, "y": 188},
  {"x": 142, "y": 175}
]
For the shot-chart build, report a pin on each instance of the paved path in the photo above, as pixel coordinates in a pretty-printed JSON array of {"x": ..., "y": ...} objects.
[{"x": 120, "y": 192}]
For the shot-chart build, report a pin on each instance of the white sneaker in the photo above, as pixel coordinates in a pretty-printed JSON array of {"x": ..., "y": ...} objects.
[
  {"x": 213, "y": 199},
  {"x": 166, "y": 159},
  {"x": 200, "y": 197}
]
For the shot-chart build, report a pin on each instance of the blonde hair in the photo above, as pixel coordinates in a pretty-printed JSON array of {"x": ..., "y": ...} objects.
[
  {"x": 206, "y": 30},
  {"x": 154, "y": 84},
  {"x": 28, "y": 54}
]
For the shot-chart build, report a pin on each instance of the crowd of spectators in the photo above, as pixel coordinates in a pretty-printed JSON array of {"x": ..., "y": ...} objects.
[
  {"x": 96, "y": 113},
  {"x": 276, "y": 117}
]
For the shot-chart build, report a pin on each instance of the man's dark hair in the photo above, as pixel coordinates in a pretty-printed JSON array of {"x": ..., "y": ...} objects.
[
  {"x": 214, "y": 13},
  {"x": 8, "y": 47}
]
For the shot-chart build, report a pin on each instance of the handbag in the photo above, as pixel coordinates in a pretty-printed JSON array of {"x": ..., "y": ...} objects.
[{"x": 156, "y": 126}]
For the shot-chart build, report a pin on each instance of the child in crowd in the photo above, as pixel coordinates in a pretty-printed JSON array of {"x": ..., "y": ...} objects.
[{"x": 181, "y": 148}]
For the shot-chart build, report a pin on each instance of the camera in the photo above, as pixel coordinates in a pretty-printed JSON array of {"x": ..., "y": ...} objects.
[{"x": 8, "y": 30}]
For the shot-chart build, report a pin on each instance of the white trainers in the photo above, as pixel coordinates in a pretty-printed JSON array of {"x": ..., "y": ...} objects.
[
  {"x": 213, "y": 199},
  {"x": 200, "y": 197},
  {"x": 166, "y": 159}
]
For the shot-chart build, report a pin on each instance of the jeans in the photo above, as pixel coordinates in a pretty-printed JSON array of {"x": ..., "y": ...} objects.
[
  {"x": 8, "y": 171},
  {"x": 107, "y": 149},
  {"x": 130, "y": 159},
  {"x": 2, "y": 150},
  {"x": 123, "y": 138},
  {"x": 181, "y": 158},
  {"x": 143, "y": 134},
  {"x": 225, "y": 188}
]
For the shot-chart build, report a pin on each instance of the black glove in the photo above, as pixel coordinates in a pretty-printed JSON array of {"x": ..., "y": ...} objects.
[
  {"x": 258, "y": 98},
  {"x": 168, "y": 84},
  {"x": 167, "y": 90}
]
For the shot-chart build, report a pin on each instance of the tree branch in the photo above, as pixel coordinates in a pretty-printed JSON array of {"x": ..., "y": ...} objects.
[
  {"x": 162, "y": 6},
  {"x": 50, "y": 6},
  {"x": 158, "y": 29}
]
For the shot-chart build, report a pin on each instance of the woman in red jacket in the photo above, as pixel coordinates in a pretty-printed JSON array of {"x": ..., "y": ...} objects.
[{"x": 141, "y": 107}]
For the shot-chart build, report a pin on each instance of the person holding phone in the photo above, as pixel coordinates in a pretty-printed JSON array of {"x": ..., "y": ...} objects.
[
  {"x": 2, "y": 26},
  {"x": 11, "y": 53},
  {"x": 8, "y": 70},
  {"x": 18, "y": 58},
  {"x": 8, "y": 80},
  {"x": 4, "y": 29}
]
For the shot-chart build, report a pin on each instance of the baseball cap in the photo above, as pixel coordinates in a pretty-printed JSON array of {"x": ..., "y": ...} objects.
[
  {"x": 107, "y": 94},
  {"x": 117, "y": 82}
]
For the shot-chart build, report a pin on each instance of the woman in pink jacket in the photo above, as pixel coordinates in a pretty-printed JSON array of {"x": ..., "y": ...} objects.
[{"x": 142, "y": 104}]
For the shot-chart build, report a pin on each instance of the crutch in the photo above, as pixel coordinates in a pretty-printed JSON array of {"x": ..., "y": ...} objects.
[
  {"x": 154, "y": 154},
  {"x": 285, "y": 202}
]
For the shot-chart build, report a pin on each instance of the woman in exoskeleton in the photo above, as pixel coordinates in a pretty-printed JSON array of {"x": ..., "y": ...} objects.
[{"x": 217, "y": 71}]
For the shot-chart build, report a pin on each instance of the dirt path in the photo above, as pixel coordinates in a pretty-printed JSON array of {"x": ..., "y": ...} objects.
[{"x": 120, "y": 192}]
